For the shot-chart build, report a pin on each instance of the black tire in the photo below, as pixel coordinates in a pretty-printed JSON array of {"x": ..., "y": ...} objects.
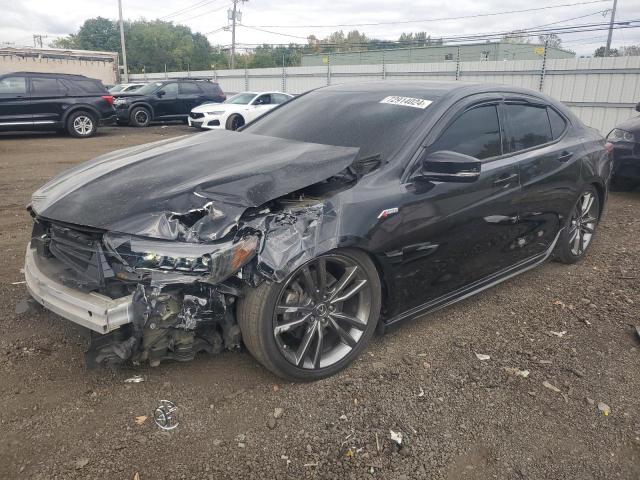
[
  {"x": 571, "y": 246},
  {"x": 140, "y": 117},
  {"x": 234, "y": 122},
  {"x": 82, "y": 124},
  {"x": 257, "y": 317}
]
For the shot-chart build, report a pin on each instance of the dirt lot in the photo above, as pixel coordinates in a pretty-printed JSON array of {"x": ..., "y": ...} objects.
[{"x": 460, "y": 417}]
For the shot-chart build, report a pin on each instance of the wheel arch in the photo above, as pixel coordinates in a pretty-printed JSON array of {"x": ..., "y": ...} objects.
[
  {"x": 231, "y": 114},
  {"x": 81, "y": 108},
  {"x": 145, "y": 105}
]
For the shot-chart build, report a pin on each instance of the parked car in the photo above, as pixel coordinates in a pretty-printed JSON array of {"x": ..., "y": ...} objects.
[
  {"x": 349, "y": 208},
  {"x": 54, "y": 101},
  {"x": 165, "y": 100},
  {"x": 126, "y": 87},
  {"x": 236, "y": 111},
  {"x": 625, "y": 139}
]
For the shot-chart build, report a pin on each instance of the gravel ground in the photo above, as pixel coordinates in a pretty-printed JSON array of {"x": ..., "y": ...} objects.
[{"x": 460, "y": 417}]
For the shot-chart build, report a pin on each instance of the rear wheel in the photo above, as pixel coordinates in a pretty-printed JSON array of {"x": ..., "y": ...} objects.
[
  {"x": 317, "y": 321},
  {"x": 140, "y": 117},
  {"x": 578, "y": 234},
  {"x": 234, "y": 122},
  {"x": 81, "y": 125}
]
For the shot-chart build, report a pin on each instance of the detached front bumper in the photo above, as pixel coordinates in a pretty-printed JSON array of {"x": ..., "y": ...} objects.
[{"x": 91, "y": 310}]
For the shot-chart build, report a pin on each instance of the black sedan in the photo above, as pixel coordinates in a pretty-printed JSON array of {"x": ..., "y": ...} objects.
[
  {"x": 625, "y": 139},
  {"x": 348, "y": 209}
]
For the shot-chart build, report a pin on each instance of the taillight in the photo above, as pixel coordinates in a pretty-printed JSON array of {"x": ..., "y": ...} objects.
[
  {"x": 108, "y": 98},
  {"x": 609, "y": 147}
]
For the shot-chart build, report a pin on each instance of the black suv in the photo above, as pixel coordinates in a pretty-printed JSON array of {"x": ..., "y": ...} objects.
[
  {"x": 165, "y": 100},
  {"x": 54, "y": 101}
]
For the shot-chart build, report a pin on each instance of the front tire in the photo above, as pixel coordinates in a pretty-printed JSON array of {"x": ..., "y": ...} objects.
[
  {"x": 140, "y": 117},
  {"x": 81, "y": 125},
  {"x": 317, "y": 321},
  {"x": 581, "y": 228},
  {"x": 234, "y": 122}
]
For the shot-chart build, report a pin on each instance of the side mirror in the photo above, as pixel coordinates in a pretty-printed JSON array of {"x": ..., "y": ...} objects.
[
  {"x": 161, "y": 93},
  {"x": 447, "y": 166},
  {"x": 638, "y": 107}
]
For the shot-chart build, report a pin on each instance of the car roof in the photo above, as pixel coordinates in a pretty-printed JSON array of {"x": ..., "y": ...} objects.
[
  {"x": 431, "y": 90},
  {"x": 49, "y": 74}
]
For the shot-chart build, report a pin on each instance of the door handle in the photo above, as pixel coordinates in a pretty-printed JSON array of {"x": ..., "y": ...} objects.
[
  {"x": 505, "y": 179},
  {"x": 564, "y": 156}
]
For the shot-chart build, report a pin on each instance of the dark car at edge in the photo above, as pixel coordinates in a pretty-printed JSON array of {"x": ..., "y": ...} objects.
[
  {"x": 625, "y": 139},
  {"x": 346, "y": 210},
  {"x": 54, "y": 101},
  {"x": 165, "y": 100}
]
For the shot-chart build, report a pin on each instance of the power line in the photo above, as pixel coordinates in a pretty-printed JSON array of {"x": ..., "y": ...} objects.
[
  {"x": 195, "y": 6},
  {"x": 274, "y": 33},
  {"x": 594, "y": 27},
  {"x": 434, "y": 19},
  {"x": 204, "y": 13}
]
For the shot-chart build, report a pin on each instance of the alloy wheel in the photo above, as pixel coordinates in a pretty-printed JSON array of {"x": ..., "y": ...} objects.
[
  {"x": 141, "y": 117},
  {"x": 583, "y": 223},
  {"x": 322, "y": 312},
  {"x": 83, "y": 125}
]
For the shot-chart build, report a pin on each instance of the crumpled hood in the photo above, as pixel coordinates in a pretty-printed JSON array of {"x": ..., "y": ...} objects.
[{"x": 192, "y": 188}]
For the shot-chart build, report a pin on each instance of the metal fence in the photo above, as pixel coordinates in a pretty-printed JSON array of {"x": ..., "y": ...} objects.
[{"x": 601, "y": 91}]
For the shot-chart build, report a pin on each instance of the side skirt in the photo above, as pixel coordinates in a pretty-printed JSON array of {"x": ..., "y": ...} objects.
[{"x": 469, "y": 290}]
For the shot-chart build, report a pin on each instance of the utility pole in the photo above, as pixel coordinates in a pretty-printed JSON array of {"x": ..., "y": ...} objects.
[
  {"x": 234, "y": 15},
  {"x": 124, "y": 48},
  {"x": 37, "y": 40},
  {"x": 607, "y": 49}
]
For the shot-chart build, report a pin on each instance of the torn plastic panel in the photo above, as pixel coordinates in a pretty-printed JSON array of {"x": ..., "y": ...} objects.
[
  {"x": 219, "y": 176},
  {"x": 292, "y": 237}
]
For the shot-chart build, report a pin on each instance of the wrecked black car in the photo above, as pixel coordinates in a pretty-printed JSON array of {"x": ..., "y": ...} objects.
[{"x": 347, "y": 209}]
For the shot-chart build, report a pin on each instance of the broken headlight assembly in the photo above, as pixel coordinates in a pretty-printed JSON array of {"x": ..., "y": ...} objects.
[{"x": 216, "y": 262}]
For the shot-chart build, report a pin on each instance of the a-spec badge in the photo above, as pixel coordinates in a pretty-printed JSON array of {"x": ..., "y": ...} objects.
[{"x": 387, "y": 212}]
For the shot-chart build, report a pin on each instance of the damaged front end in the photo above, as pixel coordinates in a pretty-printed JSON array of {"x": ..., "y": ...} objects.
[
  {"x": 161, "y": 280},
  {"x": 174, "y": 299}
]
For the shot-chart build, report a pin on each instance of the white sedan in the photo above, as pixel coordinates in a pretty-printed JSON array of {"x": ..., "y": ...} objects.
[{"x": 236, "y": 111}]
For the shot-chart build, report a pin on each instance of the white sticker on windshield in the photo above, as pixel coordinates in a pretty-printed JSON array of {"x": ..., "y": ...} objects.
[{"x": 407, "y": 101}]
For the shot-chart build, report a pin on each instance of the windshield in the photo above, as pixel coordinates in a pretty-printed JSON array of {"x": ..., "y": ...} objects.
[
  {"x": 132, "y": 88},
  {"x": 241, "y": 98},
  {"x": 346, "y": 119},
  {"x": 116, "y": 89},
  {"x": 149, "y": 88}
]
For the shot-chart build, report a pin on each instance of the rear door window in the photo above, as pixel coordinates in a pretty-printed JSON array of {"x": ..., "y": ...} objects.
[
  {"x": 12, "y": 86},
  {"x": 188, "y": 88},
  {"x": 86, "y": 87},
  {"x": 475, "y": 133},
  {"x": 47, "y": 87},
  {"x": 279, "y": 98},
  {"x": 527, "y": 126}
]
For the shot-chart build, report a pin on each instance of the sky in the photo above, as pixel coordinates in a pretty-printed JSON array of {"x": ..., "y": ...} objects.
[{"x": 293, "y": 21}]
